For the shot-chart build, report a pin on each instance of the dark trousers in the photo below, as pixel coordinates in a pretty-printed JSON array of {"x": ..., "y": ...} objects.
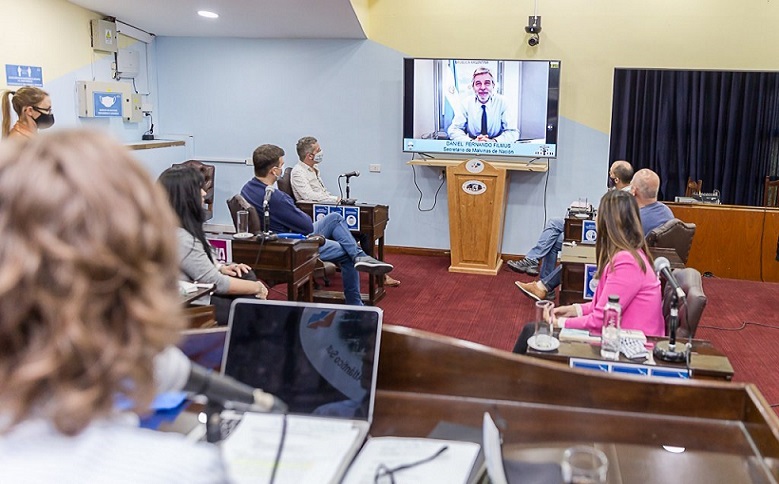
[{"x": 222, "y": 302}]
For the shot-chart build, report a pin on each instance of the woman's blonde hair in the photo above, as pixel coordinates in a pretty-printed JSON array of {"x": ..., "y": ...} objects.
[
  {"x": 619, "y": 228},
  {"x": 22, "y": 97},
  {"x": 88, "y": 269}
]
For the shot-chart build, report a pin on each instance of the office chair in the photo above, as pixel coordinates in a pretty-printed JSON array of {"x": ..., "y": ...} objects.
[
  {"x": 285, "y": 183},
  {"x": 693, "y": 187},
  {"x": 690, "y": 311},
  {"x": 673, "y": 234},
  {"x": 323, "y": 269},
  {"x": 771, "y": 192},
  {"x": 208, "y": 172}
]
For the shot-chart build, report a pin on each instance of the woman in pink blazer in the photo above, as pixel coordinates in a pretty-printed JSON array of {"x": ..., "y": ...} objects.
[{"x": 624, "y": 268}]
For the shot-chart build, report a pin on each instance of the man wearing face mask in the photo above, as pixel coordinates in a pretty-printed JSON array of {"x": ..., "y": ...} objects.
[
  {"x": 305, "y": 179},
  {"x": 307, "y": 183},
  {"x": 33, "y": 110}
]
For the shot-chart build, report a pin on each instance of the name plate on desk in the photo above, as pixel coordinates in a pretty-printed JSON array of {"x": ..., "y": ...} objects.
[
  {"x": 629, "y": 369},
  {"x": 350, "y": 214},
  {"x": 590, "y": 283},
  {"x": 589, "y": 232},
  {"x": 223, "y": 248}
]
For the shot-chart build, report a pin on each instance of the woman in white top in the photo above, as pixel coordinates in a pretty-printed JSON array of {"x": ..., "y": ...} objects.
[{"x": 88, "y": 297}]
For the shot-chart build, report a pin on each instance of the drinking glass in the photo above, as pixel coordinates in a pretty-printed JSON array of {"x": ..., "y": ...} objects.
[
  {"x": 242, "y": 217},
  {"x": 583, "y": 464},
  {"x": 543, "y": 331}
]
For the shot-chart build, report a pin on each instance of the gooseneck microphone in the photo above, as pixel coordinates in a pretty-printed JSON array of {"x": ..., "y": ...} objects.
[
  {"x": 670, "y": 350},
  {"x": 350, "y": 174},
  {"x": 173, "y": 371},
  {"x": 662, "y": 266},
  {"x": 266, "y": 233}
]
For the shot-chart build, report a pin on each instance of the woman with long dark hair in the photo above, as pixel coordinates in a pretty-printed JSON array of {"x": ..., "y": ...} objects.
[{"x": 196, "y": 260}]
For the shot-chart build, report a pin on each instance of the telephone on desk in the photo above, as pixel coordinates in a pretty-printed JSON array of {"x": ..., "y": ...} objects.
[{"x": 580, "y": 209}]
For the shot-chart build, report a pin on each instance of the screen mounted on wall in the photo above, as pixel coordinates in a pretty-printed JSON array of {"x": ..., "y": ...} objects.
[{"x": 504, "y": 108}]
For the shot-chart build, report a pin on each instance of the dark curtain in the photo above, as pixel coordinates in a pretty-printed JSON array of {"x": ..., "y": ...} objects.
[{"x": 719, "y": 127}]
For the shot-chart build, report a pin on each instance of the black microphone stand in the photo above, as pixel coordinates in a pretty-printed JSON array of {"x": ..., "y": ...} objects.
[
  {"x": 213, "y": 411},
  {"x": 348, "y": 194},
  {"x": 266, "y": 234},
  {"x": 667, "y": 350}
]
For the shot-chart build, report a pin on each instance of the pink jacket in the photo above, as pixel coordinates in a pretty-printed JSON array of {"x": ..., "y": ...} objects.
[{"x": 639, "y": 296}]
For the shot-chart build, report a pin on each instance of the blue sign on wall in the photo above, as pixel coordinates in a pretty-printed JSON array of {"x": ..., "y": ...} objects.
[
  {"x": 108, "y": 104},
  {"x": 16, "y": 75}
]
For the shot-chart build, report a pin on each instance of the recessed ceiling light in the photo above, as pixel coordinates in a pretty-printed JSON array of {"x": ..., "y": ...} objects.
[{"x": 207, "y": 14}]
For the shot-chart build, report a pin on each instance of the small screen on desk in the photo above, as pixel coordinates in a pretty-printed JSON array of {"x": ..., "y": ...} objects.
[{"x": 320, "y": 359}]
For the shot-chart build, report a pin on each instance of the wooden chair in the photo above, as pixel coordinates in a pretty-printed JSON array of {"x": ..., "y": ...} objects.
[
  {"x": 771, "y": 192},
  {"x": 208, "y": 172},
  {"x": 693, "y": 187},
  {"x": 691, "y": 309},
  {"x": 673, "y": 234}
]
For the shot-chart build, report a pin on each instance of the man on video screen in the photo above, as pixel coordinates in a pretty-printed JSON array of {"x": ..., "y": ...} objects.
[{"x": 484, "y": 116}]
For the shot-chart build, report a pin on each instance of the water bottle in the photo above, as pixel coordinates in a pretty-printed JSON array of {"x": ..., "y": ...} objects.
[{"x": 609, "y": 339}]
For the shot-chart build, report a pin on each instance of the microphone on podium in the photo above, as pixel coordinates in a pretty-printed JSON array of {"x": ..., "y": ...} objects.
[
  {"x": 670, "y": 350},
  {"x": 173, "y": 371}
]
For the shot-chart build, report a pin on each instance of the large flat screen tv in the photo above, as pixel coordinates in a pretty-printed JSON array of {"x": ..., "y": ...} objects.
[{"x": 501, "y": 108}]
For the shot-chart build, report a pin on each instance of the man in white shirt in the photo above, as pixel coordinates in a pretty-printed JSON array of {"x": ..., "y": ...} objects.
[
  {"x": 307, "y": 184},
  {"x": 485, "y": 116}
]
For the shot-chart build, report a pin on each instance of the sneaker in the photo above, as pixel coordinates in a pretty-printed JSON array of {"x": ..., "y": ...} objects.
[
  {"x": 370, "y": 265},
  {"x": 531, "y": 290},
  {"x": 526, "y": 265}
]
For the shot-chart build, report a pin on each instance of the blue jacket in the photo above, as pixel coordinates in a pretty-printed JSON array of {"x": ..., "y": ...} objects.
[{"x": 285, "y": 216}]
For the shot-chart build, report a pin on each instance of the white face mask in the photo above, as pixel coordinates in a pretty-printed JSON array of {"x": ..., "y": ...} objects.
[{"x": 318, "y": 157}]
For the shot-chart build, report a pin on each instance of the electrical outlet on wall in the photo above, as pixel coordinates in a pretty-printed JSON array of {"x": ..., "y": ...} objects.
[{"x": 375, "y": 168}]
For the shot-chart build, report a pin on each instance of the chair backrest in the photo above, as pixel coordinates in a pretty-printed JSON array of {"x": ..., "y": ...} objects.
[
  {"x": 691, "y": 310},
  {"x": 771, "y": 192},
  {"x": 673, "y": 234},
  {"x": 693, "y": 187},
  {"x": 236, "y": 203},
  {"x": 285, "y": 183},
  {"x": 208, "y": 172}
]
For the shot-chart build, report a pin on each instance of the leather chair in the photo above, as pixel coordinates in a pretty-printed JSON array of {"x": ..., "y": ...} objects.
[
  {"x": 673, "y": 234},
  {"x": 323, "y": 269},
  {"x": 693, "y": 187},
  {"x": 771, "y": 192},
  {"x": 691, "y": 309},
  {"x": 285, "y": 183},
  {"x": 208, "y": 172}
]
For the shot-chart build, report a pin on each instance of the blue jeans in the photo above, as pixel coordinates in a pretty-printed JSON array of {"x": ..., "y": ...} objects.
[
  {"x": 341, "y": 248},
  {"x": 549, "y": 244},
  {"x": 553, "y": 279}
]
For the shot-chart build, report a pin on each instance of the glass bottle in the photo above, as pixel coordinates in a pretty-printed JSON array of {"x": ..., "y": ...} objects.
[{"x": 609, "y": 340}]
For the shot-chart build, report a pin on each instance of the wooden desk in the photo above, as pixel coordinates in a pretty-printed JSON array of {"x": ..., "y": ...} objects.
[
  {"x": 572, "y": 231},
  {"x": 282, "y": 261},
  {"x": 732, "y": 241},
  {"x": 729, "y": 431},
  {"x": 573, "y": 260},
  {"x": 706, "y": 361},
  {"x": 373, "y": 222}
]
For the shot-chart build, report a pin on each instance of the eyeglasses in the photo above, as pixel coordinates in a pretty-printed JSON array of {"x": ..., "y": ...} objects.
[
  {"x": 43, "y": 111},
  {"x": 385, "y": 475}
]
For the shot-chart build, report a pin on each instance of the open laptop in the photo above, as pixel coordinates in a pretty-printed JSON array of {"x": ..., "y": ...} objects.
[{"x": 320, "y": 359}]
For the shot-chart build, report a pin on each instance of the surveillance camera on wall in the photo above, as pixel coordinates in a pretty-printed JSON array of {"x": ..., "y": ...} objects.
[{"x": 534, "y": 28}]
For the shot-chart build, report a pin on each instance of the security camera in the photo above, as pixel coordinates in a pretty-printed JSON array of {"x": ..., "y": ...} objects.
[
  {"x": 533, "y": 40},
  {"x": 534, "y": 28}
]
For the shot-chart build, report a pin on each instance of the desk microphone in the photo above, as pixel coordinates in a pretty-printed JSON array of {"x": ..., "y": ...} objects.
[
  {"x": 173, "y": 371},
  {"x": 662, "y": 266},
  {"x": 267, "y": 234},
  {"x": 350, "y": 174}
]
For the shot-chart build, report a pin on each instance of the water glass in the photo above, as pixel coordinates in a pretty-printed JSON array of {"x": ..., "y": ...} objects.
[
  {"x": 584, "y": 465},
  {"x": 242, "y": 221},
  {"x": 543, "y": 331}
]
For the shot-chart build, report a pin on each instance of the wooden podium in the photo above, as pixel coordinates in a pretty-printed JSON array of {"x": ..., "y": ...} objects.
[{"x": 477, "y": 207}]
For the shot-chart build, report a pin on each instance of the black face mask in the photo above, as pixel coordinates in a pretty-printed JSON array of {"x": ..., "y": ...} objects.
[
  {"x": 44, "y": 121},
  {"x": 610, "y": 184}
]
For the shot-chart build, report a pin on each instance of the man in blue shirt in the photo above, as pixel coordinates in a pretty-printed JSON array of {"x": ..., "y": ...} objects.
[
  {"x": 340, "y": 246},
  {"x": 485, "y": 116}
]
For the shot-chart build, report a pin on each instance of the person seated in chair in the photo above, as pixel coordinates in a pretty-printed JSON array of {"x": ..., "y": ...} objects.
[
  {"x": 307, "y": 184},
  {"x": 644, "y": 188},
  {"x": 183, "y": 184},
  {"x": 340, "y": 246},
  {"x": 624, "y": 268}
]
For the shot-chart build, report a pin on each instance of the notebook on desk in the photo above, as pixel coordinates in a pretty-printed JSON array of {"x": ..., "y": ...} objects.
[{"x": 322, "y": 361}]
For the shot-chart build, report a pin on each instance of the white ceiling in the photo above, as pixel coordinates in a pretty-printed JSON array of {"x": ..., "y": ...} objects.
[{"x": 280, "y": 19}]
